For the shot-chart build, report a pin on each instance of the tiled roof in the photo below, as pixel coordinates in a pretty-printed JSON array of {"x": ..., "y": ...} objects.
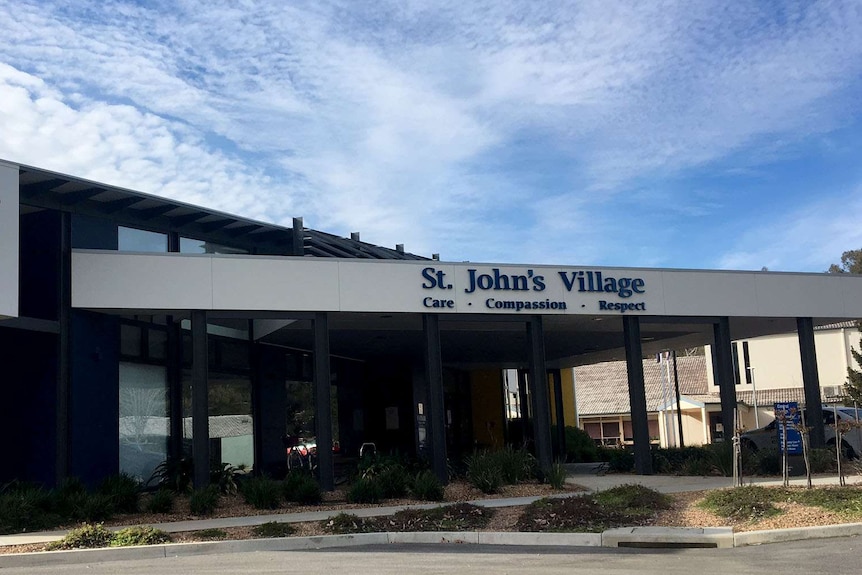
[
  {"x": 839, "y": 325},
  {"x": 770, "y": 396},
  {"x": 602, "y": 388}
]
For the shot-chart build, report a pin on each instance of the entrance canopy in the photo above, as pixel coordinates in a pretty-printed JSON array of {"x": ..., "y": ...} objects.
[{"x": 482, "y": 307}]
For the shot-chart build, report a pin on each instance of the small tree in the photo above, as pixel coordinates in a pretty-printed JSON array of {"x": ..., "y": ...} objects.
[{"x": 853, "y": 387}]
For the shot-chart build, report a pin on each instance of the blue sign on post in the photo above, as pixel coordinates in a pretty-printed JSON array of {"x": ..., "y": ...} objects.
[{"x": 790, "y": 411}]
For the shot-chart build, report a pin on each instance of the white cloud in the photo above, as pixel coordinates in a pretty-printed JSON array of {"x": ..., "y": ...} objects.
[{"x": 382, "y": 116}]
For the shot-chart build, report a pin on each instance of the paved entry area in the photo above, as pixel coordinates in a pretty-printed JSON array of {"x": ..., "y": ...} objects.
[{"x": 590, "y": 475}]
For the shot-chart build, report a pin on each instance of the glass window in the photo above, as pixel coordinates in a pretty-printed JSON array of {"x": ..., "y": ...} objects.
[
  {"x": 144, "y": 426},
  {"x": 157, "y": 344},
  {"x": 193, "y": 246},
  {"x": 130, "y": 340},
  {"x": 135, "y": 240}
]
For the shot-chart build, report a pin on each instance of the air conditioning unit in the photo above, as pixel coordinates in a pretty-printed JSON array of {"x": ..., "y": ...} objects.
[{"x": 833, "y": 392}]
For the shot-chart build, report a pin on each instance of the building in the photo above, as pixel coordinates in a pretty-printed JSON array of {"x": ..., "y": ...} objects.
[{"x": 135, "y": 328}]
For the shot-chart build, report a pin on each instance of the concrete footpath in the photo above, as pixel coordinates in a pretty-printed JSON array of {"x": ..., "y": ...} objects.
[{"x": 584, "y": 475}]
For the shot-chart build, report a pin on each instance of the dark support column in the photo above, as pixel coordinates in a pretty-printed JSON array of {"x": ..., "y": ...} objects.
[
  {"x": 175, "y": 387},
  {"x": 561, "y": 416},
  {"x": 200, "y": 400},
  {"x": 723, "y": 371},
  {"x": 637, "y": 394},
  {"x": 298, "y": 248},
  {"x": 539, "y": 392},
  {"x": 64, "y": 372},
  {"x": 810, "y": 381},
  {"x": 434, "y": 393},
  {"x": 323, "y": 401}
]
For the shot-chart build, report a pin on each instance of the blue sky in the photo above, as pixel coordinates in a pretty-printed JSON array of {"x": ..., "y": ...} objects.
[{"x": 661, "y": 134}]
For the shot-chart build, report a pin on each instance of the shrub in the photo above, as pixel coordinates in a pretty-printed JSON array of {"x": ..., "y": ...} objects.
[
  {"x": 162, "y": 501},
  {"x": 748, "y": 503},
  {"x": 273, "y": 529},
  {"x": 262, "y": 493},
  {"x": 484, "y": 473},
  {"x": 394, "y": 481},
  {"x": 26, "y": 508},
  {"x": 426, "y": 487},
  {"x": 299, "y": 487},
  {"x": 720, "y": 456},
  {"x": 224, "y": 476},
  {"x": 516, "y": 465},
  {"x": 822, "y": 460},
  {"x": 579, "y": 513},
  {"x": 457, "y": 517},
  {"x": 89, "y": 507},
  {"x": 139, "y": 535},
  {"x": 346, "y": 523},
  {"x": 632, "y": 497},
  {"x": 87, "y": 536},
  {"x": 621, "y": 460},
  {"x": 767, "y": 462},
  {"x": 365, "y": 491},
  {"x": 123, "y": 490},
  {"x": 555, "y": 476},
  {"x": 204, "y": 501},
  {"x": 174, "y": 474},
  {"x": 580, "y": 447},
  {"x": 211, "y": 533}
]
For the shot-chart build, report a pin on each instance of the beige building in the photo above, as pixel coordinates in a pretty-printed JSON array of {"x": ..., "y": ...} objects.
[{"x": 767, "y": 370}]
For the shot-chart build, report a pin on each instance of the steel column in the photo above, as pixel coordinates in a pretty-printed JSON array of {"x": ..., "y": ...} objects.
[
  {"x": 637, "y": 394},
  {"x": 434, "y": 393},
  {"x": 64, "y": 353},
  {"x": 200, "y": 400},
  {"x": 323, "y": 401},
  {"x": 175, "y": 387},
  {"x": 539, "y": 399},
  {"x": 561, "y": 416},
  {"x": 723, "y": 372},
  {"x": 810, "y": 381}
]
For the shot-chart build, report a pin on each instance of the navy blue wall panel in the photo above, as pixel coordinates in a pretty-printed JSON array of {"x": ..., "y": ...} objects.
[
  {"x": 94, "y": 402},
  {"x": 40, "y": 264},
  {"x": 28, "y": 409}
]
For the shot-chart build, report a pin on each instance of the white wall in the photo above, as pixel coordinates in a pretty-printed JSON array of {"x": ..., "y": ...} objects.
[{"x": 9, "y": 217}]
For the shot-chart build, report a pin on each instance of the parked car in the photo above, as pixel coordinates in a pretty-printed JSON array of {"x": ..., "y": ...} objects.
[{"x": 767, "y": 437}]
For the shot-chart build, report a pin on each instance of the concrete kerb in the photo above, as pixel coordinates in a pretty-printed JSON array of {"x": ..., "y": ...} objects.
[{"x": 720, "y": 537}]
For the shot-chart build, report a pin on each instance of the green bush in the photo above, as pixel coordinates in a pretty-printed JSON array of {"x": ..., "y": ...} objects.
[
  {"x": 174, "y": 474},
  {"x": 262, "y": 492},
  {"x": 555, "y": 476},
  {"x": 87, "y": 536},
  {"x": 345, "y": 523},
  {"x": 748, "y": 503},
  {"x": 26, "y": 508},
  {"x": 720, "y": 456},
  {"x": 162, "y": 501},
  {"x": 273, "y": 529},
  {"x": 516, "y": 465},
  {"x": 211, "y": 533},
  {"x": 631, "y": 497},
  {"x": 394, "y": 481},
  {"x": 580, "y": 447},
  {"x": 822, "y": 460},
  {"x": 89, "y": 507},
  {"x": 204, "y": 501},
  {"x": 767, "y": 462},
  {"x": 621, "y": 460},
  {"x": 426, "y": 487},
  {"x": 302, "y": 488},
  {"x": 365, "y": 491},
  {"x": 124, "y": 491},
  {"x": 484, "y": 473},
  {"x": 139, "y": 535}
]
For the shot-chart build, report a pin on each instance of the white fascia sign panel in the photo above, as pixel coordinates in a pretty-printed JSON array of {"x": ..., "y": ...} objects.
[{"x": 9, "y": 217}]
